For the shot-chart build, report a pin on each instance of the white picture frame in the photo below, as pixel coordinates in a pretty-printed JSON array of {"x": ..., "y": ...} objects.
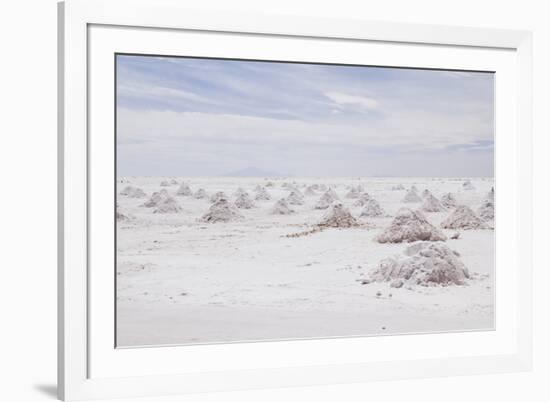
[{"x": 89, "y": 365}]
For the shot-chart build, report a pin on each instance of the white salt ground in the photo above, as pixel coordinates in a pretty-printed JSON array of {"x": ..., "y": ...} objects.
[{"x": 181, "y": 280}]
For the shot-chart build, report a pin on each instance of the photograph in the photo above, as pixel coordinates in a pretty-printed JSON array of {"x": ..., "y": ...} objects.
[{"x": 270, "y": 200}]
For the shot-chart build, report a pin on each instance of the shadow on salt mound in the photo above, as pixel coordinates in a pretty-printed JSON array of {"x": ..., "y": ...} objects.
[
  {"x": 338, "y": 217},
  {"x": 221, "y": 211},
  {"x": 423, "y": 264},
  {"x": 409, "y": 226},
  {"x": 463, "y": 218}
]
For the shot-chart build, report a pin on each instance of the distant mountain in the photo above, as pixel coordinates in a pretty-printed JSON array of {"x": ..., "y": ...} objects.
[{"x": 254, "y": 172}]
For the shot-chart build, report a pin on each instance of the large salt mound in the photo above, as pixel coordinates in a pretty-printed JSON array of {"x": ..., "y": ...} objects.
[
  {"x": 325, "y": 201},
  {"x": 221, "y": 211},
  {"x": 409, "y": 226},
  {"x": 294, "y": 198},
  {"x": 338, "y": 217},
  {"x": 487, "y": 210},
  {"x": 156, "y": 198},
  {"x": 362, "y": 201},
  {"x": 468, "y": 186},
  {"x": 218, "y": 196},
  {"x": 262, "y": 195},
  {"x": 244, "y": 201},
  {"x": 432, "y": 204},
  {"x": 184, "y": 190},
  {"x": 411, "y": 196},
  {"x": 372, "y": 209},
  {"x": 167, "y": 206},
  {"x": 424, "y": 264},
  {"x": 448, "y": 200},
  {"x": 463, "y": 218},
  {"x": 281, "y": 208},
  {"x": 200, "y": 194}
]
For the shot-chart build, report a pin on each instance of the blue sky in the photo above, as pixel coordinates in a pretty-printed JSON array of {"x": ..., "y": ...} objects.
[{"x": 208, "y": 117}]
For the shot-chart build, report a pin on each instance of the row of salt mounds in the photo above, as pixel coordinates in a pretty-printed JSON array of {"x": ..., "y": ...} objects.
[
  {"x": 167, "y": 206},
  {"x": 448, "y": 200},
  {"x": 156, "y": 198},
  {"x": 412, "y": 196},
  {"x": 244, "y": 201},
  {"x": 184, "y": 190},
  {"x": 362, "y": 200},
  {"x": 325, "y": 201},
  {"x": 409, "y": 226},
  {"x": 424, "y": 264},
  {"x": 338, "y": 217},
  {"x": 262, "y": 194},
  {"x": 281, "y": 208},
  {"x": 463, "y": 218},
  {"x": 468, "y": 186},
  {"x": 200, "y": 194},
  {"x": 295, "y": 198},
  {"x": 221, "y": 211},
  {"x": 372, "y": 209},
  {"x": 218, "y": 196},
  {"x": 431, "y": 204},
  {"x": 133, "y": 192}
]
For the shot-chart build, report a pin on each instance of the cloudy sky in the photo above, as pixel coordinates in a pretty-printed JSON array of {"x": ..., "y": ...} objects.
[{"x": 207, "y": 117}]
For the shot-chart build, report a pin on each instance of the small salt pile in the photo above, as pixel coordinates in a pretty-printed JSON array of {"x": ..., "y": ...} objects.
[
  {"x": 448, "y": 201},
  {"x": 372, "y": 209},
  {"x": 221, "y": 211},
  {"x": 338, "y": 217},
  {"x": 294, "y": 198},
  {"x": 353, "y": 193},
  {"x": 412, "y": 196},
  {"x": 244, "y": 201},
  {"x": 463, "y": 218},
  {"x": 156, "y": 198},
  {"x": 167, "y": 206},
  {"x": 409, "y": 226},
  {"x": 281, "y": 208},
  {"x": 398, "y": 187},
  {"x": 165, "y": 183},
  {"x": 184, "y": 190},
  {"x": 240, "y": 191},
  {"x": 325, "y": 201},
  {"x": 262, "y": 195},
  {"x": 487, "y": 210},
  {"x": 200, "y": 194},
  {"x": 363, "y": 200},
  {"x": 432, "y": 204},
  {"x": 310, "y": 191},
  {"x": 218, "y": 196},
  {"x": 468, "y": 186}
]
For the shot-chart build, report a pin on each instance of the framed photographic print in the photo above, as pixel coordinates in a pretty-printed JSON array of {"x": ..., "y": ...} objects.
[{"x": 260, "y": 201}]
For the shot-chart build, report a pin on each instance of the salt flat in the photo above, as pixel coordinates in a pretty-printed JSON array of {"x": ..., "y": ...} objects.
[{"x": 181, "y": 280}]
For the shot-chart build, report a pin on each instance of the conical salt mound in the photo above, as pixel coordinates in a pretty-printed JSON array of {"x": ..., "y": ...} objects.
[
  {"x": 372, "y": 209},
  {"x": 173, "y": 181},
  {"x": 218, "y": 196},
  {"x": 333, "y": 194},
  {"x": 448, "y": 200},
  {"x": 325, "y": 201},
  {"x": 270, "y": 184},
  {"x": 281, "y": 208},
  {"x": 200, "y": 194},
  {"x": 362, "y": 201},
  {"x": 127, "y": 190},
  {"x": 165, "y": 183},
  {"x": 487, "y": 210},
  {"x": 338, "y": 217},
  {"x": 463, "y": 218},
  {"x": 432, "y": 204},
  {"x": 423, "y": 264},
  {"x": 244, "y": 201},
  {"x": 353, "y": 193},
  {"x": 156, "y": 198},
  {"x": 221, "y": 211},
  {"x": 426, "y": 193},
  {"x": 411, "y": 196},
  {"x": 491, "y": 194},
  {"x": 468, "y": 186},
  {"x": 184, "y": 190},
  {"x": 167, "y": 206},
  {"x": 262, "y": 195},
  {"x": 133, "y": 192},
  {"x": 409, "y": 226},
  {"x": 240, "y": 191},
  {"x": 294, "y": 199}
]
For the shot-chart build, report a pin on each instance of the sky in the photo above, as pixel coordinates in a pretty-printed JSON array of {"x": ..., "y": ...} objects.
[{"x": 211, "y": 117}]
